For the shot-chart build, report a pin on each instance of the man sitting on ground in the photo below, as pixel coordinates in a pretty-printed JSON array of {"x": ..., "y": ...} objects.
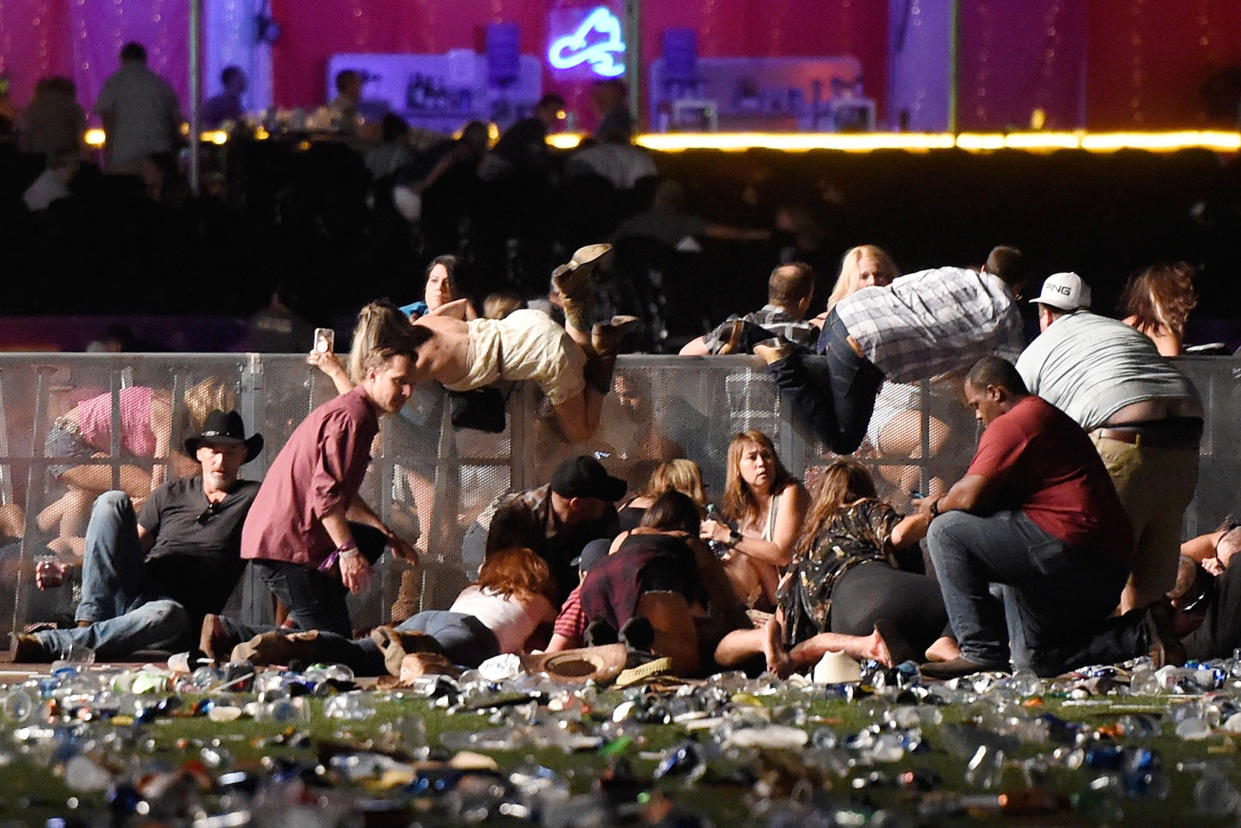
[
  {"x": 790, "y": 289},
  {"x": 1037, "y": 513},
  {"x": 148, "y": 580},
  {"x": 921, "y": 325}
]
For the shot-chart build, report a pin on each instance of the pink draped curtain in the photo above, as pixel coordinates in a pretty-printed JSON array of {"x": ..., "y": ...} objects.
[
  {"x": 82, "y": 40},
  {"x": 1100, "y": 63}
]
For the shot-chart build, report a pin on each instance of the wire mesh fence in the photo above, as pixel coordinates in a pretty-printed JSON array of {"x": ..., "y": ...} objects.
[{"x": 78, "y": 425}]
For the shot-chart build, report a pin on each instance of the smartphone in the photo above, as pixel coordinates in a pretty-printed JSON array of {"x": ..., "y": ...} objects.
[{"x": 325, "y": 340}]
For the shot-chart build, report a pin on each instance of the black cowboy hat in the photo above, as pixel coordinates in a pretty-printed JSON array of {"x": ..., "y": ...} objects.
[{"x": 225, "y": 428}]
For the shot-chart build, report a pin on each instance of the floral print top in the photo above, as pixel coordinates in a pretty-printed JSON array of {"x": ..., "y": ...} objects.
[{"x": 857, "y": 534}]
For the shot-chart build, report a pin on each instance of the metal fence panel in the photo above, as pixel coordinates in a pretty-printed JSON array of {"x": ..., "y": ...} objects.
[{"x": 430, "y": 482}]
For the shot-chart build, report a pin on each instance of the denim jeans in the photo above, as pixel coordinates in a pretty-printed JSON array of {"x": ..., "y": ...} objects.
[
  {"x": 833, "y": 392},
  {"x": 1061, "y": 598},
  {"x": 162, "y": 624},
  {"x": 114, "y": 591},
  {"x": 113, "y": 568},
  {"x": 466, "y": 641}
]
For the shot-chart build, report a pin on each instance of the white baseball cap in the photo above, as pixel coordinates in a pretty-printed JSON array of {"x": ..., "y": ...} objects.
[{"x": 1066, "y": 291}]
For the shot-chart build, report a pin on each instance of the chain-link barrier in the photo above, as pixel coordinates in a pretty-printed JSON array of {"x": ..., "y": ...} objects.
[{"x": 428, "y": 481}]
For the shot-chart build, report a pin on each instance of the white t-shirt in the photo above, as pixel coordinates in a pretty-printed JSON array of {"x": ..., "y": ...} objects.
[{"x": 511, "y": 620}]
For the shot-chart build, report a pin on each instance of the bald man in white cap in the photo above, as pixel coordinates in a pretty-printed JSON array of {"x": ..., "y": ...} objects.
[{"x": 1144, "y": 416}]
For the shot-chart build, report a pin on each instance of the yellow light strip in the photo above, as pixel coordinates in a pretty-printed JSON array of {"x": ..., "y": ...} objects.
[
  {"x": 215, "y": 136},
  {"x": 794, "y": 141},
  {"x": 969, "y": 141},
  {"x": 95, "y": 137},
  {"x": 1163, "y": 141}
]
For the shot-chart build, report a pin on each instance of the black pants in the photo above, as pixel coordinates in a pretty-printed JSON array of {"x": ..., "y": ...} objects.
[{"x": 875, "y": 591}]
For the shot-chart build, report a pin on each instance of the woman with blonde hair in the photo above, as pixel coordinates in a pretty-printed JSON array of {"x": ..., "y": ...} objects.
[
  {"x": 895, "y": 428},
  {"x": 863, "y": 266},
  {"x": 766, "y": 506},
  {"x": 679, "y": 475},
  {"x": 1157, "y": 302},
  {"x": 855, "y": 585}
]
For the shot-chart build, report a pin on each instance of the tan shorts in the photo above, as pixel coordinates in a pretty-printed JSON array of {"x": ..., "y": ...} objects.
[
  {"x": 525, "y": 345},
  {"x": 1155, "y": 486}
]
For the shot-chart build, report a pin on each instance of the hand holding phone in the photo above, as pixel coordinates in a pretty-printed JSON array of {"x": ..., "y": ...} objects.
[{"x": 325, "y": 340}]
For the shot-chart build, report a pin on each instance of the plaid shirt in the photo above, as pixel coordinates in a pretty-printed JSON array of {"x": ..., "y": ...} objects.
[
  {"x": 571, "y": 622},
  {"x": 772, "y": 317},
  {"x": 933, "y": 321}
]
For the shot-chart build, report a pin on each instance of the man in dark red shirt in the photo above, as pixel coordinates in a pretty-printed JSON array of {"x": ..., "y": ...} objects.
[
  {"x": 309, "y": 534},
  {"x": 1037, "y": 513}
]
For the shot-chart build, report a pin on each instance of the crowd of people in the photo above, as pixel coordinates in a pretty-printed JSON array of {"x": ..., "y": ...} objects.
[
  {"x": 1053, "y": 542},
  {"x": 1058, "y": 547}
]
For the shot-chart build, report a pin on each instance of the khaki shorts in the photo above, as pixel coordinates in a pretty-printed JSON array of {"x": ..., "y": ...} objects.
[
  {"x": 1155, "y": 486},
  {"x": 525, "y": 345}
]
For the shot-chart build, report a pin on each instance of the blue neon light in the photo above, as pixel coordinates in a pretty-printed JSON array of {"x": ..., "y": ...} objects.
[{"x": 605, "y": 57}]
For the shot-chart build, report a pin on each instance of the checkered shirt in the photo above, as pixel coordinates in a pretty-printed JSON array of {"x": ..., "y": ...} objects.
[
  {"x": 933, "y": 321},
  {"x": 772, "y": 317}
]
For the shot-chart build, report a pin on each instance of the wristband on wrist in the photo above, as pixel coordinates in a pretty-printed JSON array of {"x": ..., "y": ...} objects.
[
  {"x": 734, "y": 537},
  {"x": 347, "y": 550},
  {"x": 935, "y": 507}
]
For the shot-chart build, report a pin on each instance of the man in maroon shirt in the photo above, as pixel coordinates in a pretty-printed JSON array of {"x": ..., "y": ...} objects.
[
  {"x": 1037, "y": 513},
  {"x": 309, "y": 534}
]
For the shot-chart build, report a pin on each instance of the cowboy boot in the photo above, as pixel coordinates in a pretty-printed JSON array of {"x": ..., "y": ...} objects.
[
  {"x": 772, "y": 350},
  {"x": 573, "y": 282},
  {"x": 395, "y": 644},
  {"x": 606, "y": 337}
]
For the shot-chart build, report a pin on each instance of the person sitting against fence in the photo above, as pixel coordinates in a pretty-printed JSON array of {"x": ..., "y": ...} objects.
[
  {"x": 764, "y": 508},
  {"x": 507, "y": 610},
  {"x": 680, "y": 475},
  {"x": 790, "y": 289},
  {"x": 856, "y": 585},
  {"x": 1157, "y": 302},
  {"x": 149, "y": 576},
  {"x": 84, "y": 434}
]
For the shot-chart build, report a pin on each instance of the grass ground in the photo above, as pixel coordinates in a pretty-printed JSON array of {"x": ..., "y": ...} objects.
[{"x": 1114, "y": 760}]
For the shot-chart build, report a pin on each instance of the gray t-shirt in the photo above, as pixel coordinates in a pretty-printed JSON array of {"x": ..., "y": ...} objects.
[{"x": 1091, "y": 366}]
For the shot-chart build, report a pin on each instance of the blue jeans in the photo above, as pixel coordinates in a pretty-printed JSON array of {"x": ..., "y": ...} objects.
[
  {"x": 1061, "y": 598},
  {"x": 162, "y": 624},
  {"x": 114, "y": 594},
  {"x": 113, "y": 565},
  {"x": 464, "y": 639},
  {"x": 835, "y": 392}
]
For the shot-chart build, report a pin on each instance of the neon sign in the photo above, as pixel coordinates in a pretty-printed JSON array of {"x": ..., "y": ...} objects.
[{"x": 597, "y": 42}]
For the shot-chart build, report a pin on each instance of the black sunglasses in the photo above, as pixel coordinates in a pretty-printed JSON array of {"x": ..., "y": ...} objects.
[{"x": 212, "y": 508}]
